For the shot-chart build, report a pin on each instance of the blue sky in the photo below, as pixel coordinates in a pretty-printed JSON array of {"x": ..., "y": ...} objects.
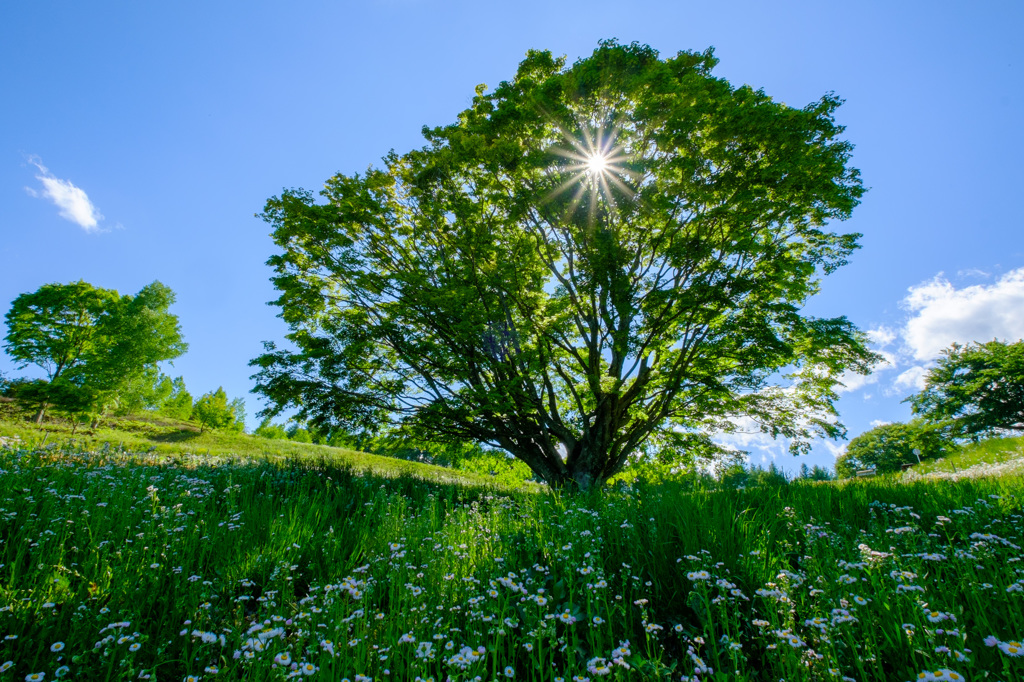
[{"x": 138, "y": 140}]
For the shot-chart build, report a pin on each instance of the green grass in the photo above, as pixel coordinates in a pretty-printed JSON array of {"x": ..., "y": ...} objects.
[
  {"x": 171, "y": 437},
  {"x": 116, "y": 564},
  {"x": 986, "y": 453}
]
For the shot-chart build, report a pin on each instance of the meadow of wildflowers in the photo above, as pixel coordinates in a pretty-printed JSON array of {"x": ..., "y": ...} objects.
[{"x": 118, "y": 565}]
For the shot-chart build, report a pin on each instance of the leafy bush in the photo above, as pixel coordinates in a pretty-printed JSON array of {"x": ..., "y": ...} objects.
[{"x": 177, "y": 405}]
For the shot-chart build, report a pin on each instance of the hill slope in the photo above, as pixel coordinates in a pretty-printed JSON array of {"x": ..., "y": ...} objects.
[
  {"x": 992, "y": 457},
  {"x": 172, "y": 437}
]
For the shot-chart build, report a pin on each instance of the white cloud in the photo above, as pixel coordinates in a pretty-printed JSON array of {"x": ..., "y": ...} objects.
[
  {"x": 882, "y": 336},
  {"x": 836, "y": 449},
  {"x": 851, "y": 381},
  {"x": 942, "y": 314},
  {"x": 912, "y": 378},
  {"x": 73, "y": 202},
  {"x": 875, "y": 423}
]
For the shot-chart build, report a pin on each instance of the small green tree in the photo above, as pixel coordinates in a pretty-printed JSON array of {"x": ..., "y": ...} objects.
[
  {"x": 140, "y": 332},
  {"x": 975, "y": 389},
  {"x": 178, "y": 404},
  {"x": 270, "y": 431},
  {"x": 888, "y": 447},
  {"x": 237, "y": 407},
  {"x": 60, "y": 395},
  {"x": 299, "y": 434},
  {"x": 144, "y": 390},
  {"x": 77, "y": 403},
  {"x": 213, "y": 410},
  {"x": 57, "y": 327},
  {"x": 96, "y": 338},
  {"x": 815, "y": 473}
]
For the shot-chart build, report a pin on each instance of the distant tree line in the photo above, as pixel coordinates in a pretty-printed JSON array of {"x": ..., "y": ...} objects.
[{"x": 101, "y": 352}]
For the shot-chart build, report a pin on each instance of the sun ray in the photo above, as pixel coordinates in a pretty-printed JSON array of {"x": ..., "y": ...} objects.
[{"x": 597, "y": 164}]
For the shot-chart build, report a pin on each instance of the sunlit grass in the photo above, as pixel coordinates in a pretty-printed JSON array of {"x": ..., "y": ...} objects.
[
  {"x": 992, "y": 451},
  {"x": 172, "y": 438},
  {"x": 117, "y": 565}
]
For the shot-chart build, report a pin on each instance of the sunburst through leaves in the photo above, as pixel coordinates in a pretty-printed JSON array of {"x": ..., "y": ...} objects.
[{"x": 597, "y": 166}]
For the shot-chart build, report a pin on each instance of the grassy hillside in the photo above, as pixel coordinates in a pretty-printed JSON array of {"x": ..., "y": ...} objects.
[
  {"x": 985, "y": 453},
  {"x": 174, "y": 438},
  {"x": 147, "y": 550},
  {"x": 987, "y": 457}
]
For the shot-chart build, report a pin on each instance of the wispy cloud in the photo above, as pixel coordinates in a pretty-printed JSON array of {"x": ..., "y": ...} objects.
[
  {"x": 881, "y": 336},
  {"x": 73, "y": 202},
  {"x": 973, "y": 272},
  {"x": 910, "y": 380}
]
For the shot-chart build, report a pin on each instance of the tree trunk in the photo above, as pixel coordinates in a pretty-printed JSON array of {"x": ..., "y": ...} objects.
[
  {"x": 40, "y": 414},
  {"x": 593, "y": 462},
  {"x": 584, "y": 470}
]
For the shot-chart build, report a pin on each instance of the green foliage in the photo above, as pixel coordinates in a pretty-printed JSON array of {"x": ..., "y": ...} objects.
[
  {"x": 815, "y": 473},
  {"x": 178, "y": 404},
  {"x": 144, "y": 390},
  {"x": 975, "y": 389},
  {"x": 98, "y": 339},
  {"x": 888, "y": 447},
  {"x": 741, "y": 475},
  {"x": 141, "y": 333},
  {"x": 69, "y": 399},
  {"x": 496, "y": 287},
  {"x": 58, "y": 326},
  {"x": 299, "y": 434},
  {"x": 464, "y": 457},
  {"x": 270, "y": 431},
  {"x": 237, "y": 407},
  {"x": 213, "y": 411}
]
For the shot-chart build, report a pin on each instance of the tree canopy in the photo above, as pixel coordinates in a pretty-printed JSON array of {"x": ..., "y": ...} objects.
[
  {"x": 213, "y": 410},
  {"x": 975, "y": 389},
  {"x": 96, "y": 338},
  {"x": 594, "y": 260},
  {"x": 887, "y": 447},
  {"x": 58, "y": 326},
  {"x": 139, "y": 332}
]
